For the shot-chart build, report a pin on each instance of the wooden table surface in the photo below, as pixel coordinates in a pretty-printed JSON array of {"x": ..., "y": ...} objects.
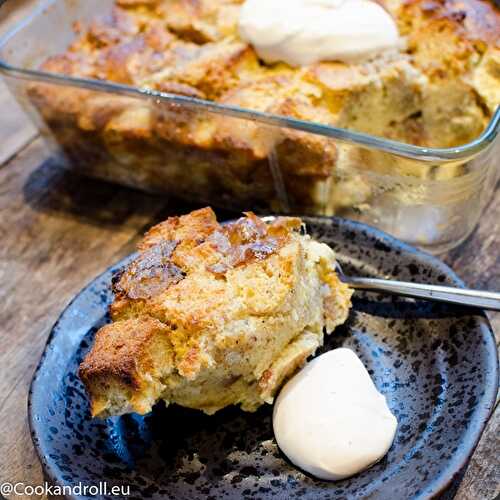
[{"x": 59, "y": 230}]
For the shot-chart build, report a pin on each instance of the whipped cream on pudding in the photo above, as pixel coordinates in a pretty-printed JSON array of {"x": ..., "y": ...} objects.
[
  {"x": 330, "y": 420},
  {"x": 302, "y": 32}
]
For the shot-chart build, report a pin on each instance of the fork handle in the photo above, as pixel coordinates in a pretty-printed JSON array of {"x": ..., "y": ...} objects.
[{"x": 462, "y": 296}]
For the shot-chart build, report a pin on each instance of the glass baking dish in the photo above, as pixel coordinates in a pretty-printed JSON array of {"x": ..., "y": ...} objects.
[{"x": 428, "y": 197}]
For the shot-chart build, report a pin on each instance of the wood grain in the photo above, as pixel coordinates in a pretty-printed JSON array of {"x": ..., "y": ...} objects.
[
  {"x": 482, "y": 478},
  {"x": 477, "y": 261},
  {"x": 13, "y": 11},
  {"x": 59, "y": 230},
  {"x": 15, "y": 129}
]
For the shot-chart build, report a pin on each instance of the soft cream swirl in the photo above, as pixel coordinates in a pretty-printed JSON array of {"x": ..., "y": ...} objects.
[
  {"x": 302, "y": 32},
  {"x": 330, "y": 420}
]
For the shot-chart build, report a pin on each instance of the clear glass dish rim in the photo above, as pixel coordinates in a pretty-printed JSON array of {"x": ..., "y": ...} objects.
[{"x": 443, "y": 155}]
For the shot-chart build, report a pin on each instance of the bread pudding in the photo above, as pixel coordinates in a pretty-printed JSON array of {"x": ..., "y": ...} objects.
[
  {"x": 439, "y": 90},
  {"x": 211, "y": 315}
]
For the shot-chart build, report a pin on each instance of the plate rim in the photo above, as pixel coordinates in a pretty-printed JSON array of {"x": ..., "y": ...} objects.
[{"x": 454, "y": 465}]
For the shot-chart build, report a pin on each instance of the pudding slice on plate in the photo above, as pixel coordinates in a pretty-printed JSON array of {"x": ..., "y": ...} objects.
[{"x": 211, "y": 315}]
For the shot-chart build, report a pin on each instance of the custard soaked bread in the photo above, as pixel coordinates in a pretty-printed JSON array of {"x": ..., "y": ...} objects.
[
  {"x": 209, "y": 315},
  {"x": 439, "y": 89}
]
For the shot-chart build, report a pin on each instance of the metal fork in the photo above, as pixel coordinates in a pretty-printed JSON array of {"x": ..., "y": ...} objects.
[{"x": 452, "y": 295}]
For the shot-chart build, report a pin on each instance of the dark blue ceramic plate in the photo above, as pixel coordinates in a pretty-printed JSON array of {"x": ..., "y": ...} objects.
[{"x": 436, "y": 364}]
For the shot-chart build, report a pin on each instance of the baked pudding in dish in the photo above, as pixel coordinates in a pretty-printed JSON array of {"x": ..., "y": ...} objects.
[
  {"x": 211, "y": 315},
  {"x": 438, "y": 89}
]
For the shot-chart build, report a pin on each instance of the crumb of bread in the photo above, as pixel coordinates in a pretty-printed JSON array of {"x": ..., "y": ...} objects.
[{"x": 210, "y": 315}]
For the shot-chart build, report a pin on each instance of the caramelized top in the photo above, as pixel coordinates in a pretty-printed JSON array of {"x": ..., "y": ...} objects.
[
  {"x": 249, "y": 239},
  {"x": 170, "y": 250},
  {"x": 193, "y": 48},
  {"x": 195, "y": 44},
  {"x": 150, "y": 273}
]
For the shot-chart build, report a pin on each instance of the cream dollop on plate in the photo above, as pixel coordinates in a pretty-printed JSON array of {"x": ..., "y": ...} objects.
[
  {"x": 301, "y": 32},
  {"x": 330, "y": 420}
]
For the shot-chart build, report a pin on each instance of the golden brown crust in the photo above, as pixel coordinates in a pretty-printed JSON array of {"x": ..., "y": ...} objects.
[
  {"x": 120, "y": 352},
  {"x": 172, "y": 250},
  {"x": 126, "y": 363},
  {"x": 201, "y": 20},
  {"x": 447, "y": 37},
  {"x": 189, "y": 229},
  {"x": 440, "y": 91},
  {"x": 472, "y": 20},
  {"x": 205, "y": 306},
  {"x": 195, "y": 43}
]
